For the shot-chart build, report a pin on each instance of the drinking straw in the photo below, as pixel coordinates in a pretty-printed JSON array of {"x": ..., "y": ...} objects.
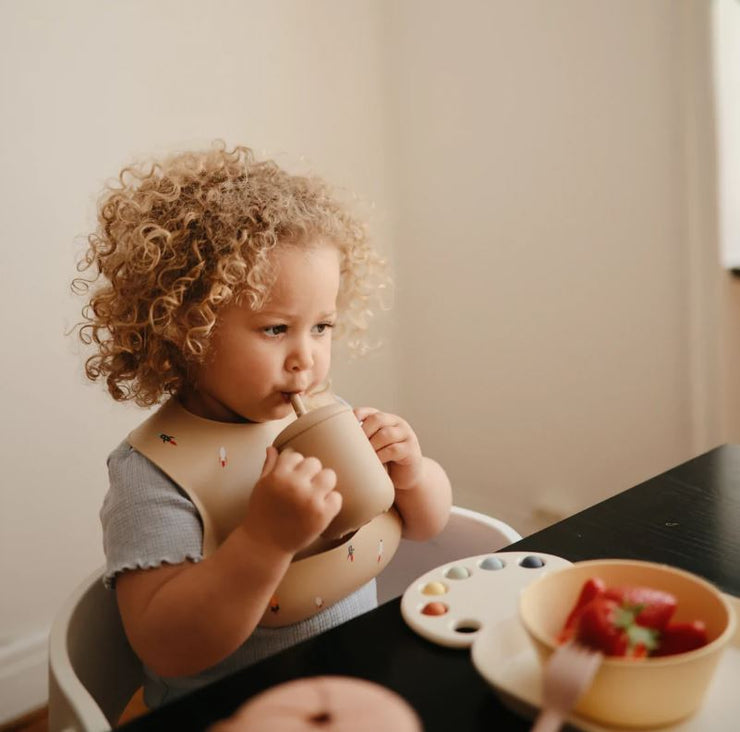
[{"x": 298, "y": 405}]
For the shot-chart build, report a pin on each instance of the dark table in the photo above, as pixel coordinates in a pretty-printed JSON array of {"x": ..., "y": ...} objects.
[{"x": 688, "y": 517}]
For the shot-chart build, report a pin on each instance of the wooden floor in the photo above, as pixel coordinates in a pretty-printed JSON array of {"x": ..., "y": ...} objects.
[{"x": 37, "y": 721}]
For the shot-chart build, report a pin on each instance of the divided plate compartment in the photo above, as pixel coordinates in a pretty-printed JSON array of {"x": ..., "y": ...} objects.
[{"x": 452, "y": 604}]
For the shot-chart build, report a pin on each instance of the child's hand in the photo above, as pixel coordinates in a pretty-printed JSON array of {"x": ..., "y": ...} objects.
[
  {"x": 395, "y": 444},
  {"x": 292, "y": 502}
]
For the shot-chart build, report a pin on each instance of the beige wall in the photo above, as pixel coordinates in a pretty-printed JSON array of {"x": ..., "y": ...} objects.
[
  {"x": 542, "y": 174},
  {"x": 86, "y": 85},
  {"x": 556, "y": 252}
]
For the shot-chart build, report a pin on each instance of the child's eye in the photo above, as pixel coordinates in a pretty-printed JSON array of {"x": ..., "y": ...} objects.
[
  {"x": 274, "y": 330},
  {"x": 321, "y": 328}
]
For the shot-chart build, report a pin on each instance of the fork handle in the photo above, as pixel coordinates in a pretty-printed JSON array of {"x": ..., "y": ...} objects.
[{"x": 548, "y": 720}]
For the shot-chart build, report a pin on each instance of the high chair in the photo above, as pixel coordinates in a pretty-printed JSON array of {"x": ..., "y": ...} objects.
[
  {"x": 467, "y": 534},
  {"x": 93, "y": 671}
]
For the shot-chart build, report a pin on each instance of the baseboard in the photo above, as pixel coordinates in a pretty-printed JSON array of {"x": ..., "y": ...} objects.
[{"x": 23, "y": 675}]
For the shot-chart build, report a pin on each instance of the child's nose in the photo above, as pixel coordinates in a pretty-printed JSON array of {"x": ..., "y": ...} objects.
[{"x": 300, "y": 357}]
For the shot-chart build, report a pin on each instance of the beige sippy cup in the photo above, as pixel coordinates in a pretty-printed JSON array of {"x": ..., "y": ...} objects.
[{"x": 333, "y": 435}]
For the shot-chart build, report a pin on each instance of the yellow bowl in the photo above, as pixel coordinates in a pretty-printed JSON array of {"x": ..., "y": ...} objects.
[{"x": 635, "y": 693}]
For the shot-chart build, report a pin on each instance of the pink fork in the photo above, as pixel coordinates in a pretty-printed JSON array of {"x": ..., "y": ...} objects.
[{"x": 567, "y": 674}]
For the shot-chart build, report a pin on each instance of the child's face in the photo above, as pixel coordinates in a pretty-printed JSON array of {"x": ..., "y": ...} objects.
[{"x": 258, "y": 358}]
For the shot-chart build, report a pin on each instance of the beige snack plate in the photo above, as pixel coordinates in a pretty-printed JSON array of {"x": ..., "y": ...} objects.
[
  {"x": 504, "y": 656},
  {"x": 485, "y": 591}
]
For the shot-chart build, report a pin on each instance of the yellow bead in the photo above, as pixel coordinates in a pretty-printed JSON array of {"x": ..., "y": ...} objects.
[{"x": 434, "y": 588}]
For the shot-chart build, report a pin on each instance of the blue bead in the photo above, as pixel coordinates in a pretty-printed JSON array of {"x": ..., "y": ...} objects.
[
  {"x": 532, "y": 562},
  {"x": 492, "y": 563}
]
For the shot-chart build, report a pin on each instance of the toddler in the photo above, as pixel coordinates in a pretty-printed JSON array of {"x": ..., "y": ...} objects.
[{"x": 217, "y": 283}]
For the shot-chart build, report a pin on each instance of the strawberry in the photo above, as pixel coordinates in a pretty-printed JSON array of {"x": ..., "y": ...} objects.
[
  {"x": 606, "y": 625},
  {"x": 655, "y": 607},
  {"x": 592, "y": 588},
  {"x": 631, "y": 622},
  {"x": 682, "y": 637}
]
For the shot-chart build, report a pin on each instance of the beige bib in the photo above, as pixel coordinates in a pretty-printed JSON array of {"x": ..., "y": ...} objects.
[{"x": 216, "y": 464}]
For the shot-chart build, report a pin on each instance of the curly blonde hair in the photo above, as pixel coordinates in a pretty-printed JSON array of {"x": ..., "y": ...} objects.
[{"x": 180, "y": 238}]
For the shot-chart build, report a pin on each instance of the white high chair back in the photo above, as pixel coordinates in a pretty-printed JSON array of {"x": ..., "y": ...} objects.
[
  {"x": 92, "y": 669},
  {"x": 467, "y": 534}
]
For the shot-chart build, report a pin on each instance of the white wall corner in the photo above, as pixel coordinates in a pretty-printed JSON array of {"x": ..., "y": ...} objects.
[
  {"x": 700, "y": 224},
  {"x": 23, "y": 675},
  {"x": 725, "y": 32}
]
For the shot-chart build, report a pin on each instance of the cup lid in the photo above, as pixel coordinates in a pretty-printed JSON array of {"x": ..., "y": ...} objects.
[{"x": 307, "y": 421}]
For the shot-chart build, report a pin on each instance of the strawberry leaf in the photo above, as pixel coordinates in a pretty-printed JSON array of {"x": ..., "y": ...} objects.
[
  {"x": 625, "y": 615},
  {"x": 637, "y": 635}
]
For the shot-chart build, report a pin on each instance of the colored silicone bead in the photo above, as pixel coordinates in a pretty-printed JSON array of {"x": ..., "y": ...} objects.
[
  {"x": 492, "y": 563},
  {"x": 434, "y": 608},
  {"x": 457, "y": 573},
  {"x": 434, "y": 588},
  {"x": 532, "y": 562}
]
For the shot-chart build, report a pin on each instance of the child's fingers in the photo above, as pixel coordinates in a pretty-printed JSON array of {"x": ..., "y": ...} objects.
[
  {"x": 388, "y": 435},
  {"x": 310, "y": 473},
  {"x": 362, "y": 413},
  {"x": 325, "y": 480},
  {"x": 375, "y": 421},
  {"x": 271, "y": 457},
  {"x": 322, "y": 501},
  {"x": 309, "y": 467},
  {"x": 288, "y": 460},
  {"x": 395, "y": 453},
  {"x": 333, "y": 502}
]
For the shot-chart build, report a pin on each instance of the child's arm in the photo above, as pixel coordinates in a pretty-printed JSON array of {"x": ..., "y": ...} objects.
[
  {"x": 423, "y": 491},
  {"x": 182, "y": 619}
]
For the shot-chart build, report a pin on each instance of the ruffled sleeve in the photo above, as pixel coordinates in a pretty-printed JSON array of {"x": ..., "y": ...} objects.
[{"x": 147, "y": 520}]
